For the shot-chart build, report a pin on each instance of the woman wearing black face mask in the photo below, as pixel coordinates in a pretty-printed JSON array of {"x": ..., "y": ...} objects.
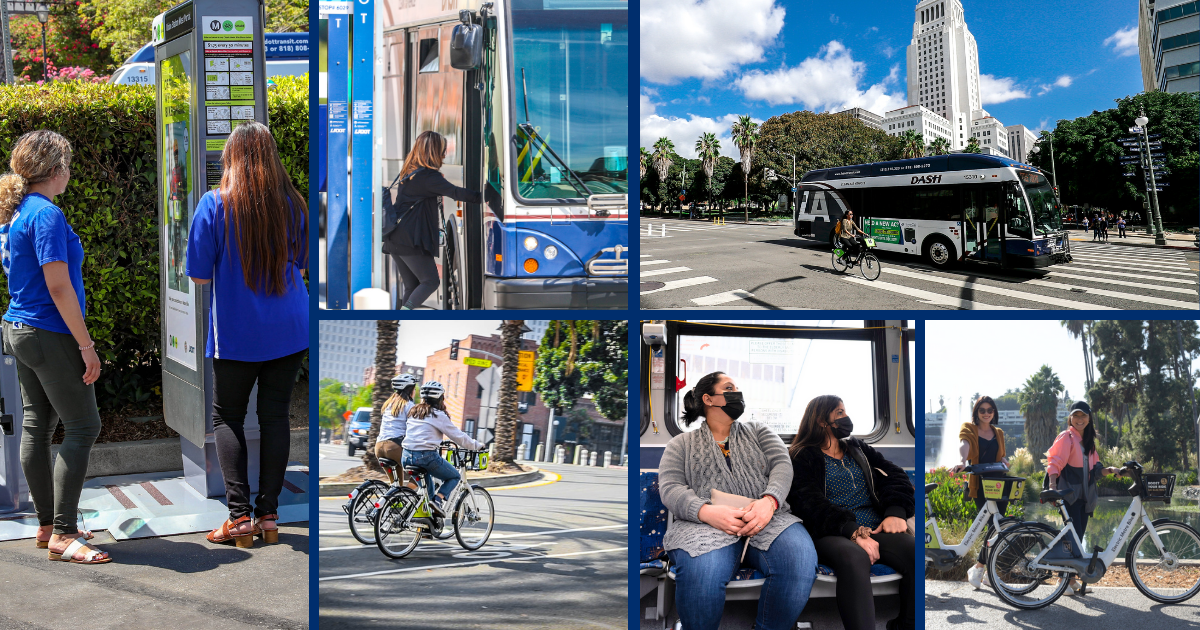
[
  {"x": 854, "y": 503},
  {"x": 705, "y": 541}
]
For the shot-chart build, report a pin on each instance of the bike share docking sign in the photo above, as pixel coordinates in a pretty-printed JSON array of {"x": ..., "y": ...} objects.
[{"x": 228, "y": 72}]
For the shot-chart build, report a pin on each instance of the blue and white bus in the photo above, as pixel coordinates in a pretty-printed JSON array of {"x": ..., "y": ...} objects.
[
  {"x": 541, "y": 126},
  {"x": 948, "y": 208}
]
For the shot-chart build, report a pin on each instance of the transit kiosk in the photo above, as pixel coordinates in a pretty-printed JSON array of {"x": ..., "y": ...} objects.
[
  {"x": 13, "y": 491},
  {"x": 210, "y": 77}
]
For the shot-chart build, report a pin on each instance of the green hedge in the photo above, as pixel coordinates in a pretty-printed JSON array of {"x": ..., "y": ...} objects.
[{"x": 112, "y": 204}]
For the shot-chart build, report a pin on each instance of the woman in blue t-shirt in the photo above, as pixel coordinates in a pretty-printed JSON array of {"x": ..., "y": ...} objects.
[
  {"x": 250, "y": 240},
  {"x": 45, "y": 331}
]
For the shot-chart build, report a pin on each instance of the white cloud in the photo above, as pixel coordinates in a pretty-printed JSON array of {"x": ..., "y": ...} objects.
[
  {"x": 833, "y": 18},
  {"x": 827, "y": 82},
  {"x": 705, "y": 39},
  {"x": 994, "y": 90},
  {"x": 1124, "y": 41},
  {"x": 1064, "y": 81}
]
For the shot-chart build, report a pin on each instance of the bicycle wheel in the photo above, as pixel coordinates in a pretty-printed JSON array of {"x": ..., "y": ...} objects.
[
  {"x": 840, "y": 264},
  {"x": 395, "y": 533},
  {"x": 473, "y": 518},
  {"x": 1170, "y": 575},
  {"x": 362, "y": 526},
  {"x": 1011, "y": 572},
  {"x": 869, "y": 266}
]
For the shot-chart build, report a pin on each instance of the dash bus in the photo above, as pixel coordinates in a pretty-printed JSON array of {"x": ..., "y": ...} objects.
[{"x": 948, "y": 208}]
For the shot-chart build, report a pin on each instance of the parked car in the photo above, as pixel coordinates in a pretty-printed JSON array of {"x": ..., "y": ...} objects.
[
  {"x": 357, "y": 429},
  {"x": 287, "y": 55}
]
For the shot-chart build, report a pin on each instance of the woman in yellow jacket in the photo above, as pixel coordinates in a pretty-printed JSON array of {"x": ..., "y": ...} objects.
[{"x": 981, "y": 441}]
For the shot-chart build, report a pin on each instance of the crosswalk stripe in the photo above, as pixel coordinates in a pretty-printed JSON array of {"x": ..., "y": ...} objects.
[
  {"x": 1123, "y": 283},
  {"x": 1190, "y": 274},
  {"x": 1148, "y": 299},
  {"x": 928, "y": 297},
  {"x": 659, "y": 272},
  {"x": 653, "y": 262},
  {"x": 974, "y": 286},
  {"x": 1125, "y": 252},
  {"x": 722, "y": 298},
  {"x": 679, "y": 284},
  {"x": 1136, "y": 263}
]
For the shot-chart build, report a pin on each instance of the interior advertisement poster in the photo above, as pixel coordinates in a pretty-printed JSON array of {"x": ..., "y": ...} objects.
[{"x": 176, "y": 165}]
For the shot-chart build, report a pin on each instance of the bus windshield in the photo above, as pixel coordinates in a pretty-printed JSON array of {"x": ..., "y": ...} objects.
[
  {"x": 570, "y": 73},
  {"x": 1046, "y": 218}
]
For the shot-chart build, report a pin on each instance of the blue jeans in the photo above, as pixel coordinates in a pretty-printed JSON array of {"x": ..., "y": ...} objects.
[
  {"x": 434, "y": 465},
  {"x": 790, "y": 567}
]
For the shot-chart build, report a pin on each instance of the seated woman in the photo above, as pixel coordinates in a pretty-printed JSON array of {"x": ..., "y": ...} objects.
[
  {"x": 705, "y": 540},
  {"x": 855, "y": 504}
]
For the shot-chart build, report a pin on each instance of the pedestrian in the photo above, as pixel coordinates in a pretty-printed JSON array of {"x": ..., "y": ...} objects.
[
  {"x": 1085, "y": 225},
  {"x": 411, "y": 227},
  {"x": 1104, "y": 228},
  {"x": 1073, "y": 466},
  {"x": 855, "y": 504},
  {"x": 249, "y": 238},
  {"x": 1121, "y": 227},
  {"x": 981, "y": 441},
  {"x": 1095, "y": 228},
  {"x": 43, "y": 259}
]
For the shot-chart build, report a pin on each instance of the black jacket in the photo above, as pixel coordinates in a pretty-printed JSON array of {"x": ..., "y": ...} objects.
[
  {"x": 888, "y": 485},
  {"x": 411, "y": 206}
]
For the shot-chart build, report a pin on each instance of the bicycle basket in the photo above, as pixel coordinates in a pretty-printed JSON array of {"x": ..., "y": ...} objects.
[
  {"x": 1158, "y": 486},
  {"x": 869, "y": 241},
  {"x": 1002, "y": 488},
  {"x": 479, "y": 461}
]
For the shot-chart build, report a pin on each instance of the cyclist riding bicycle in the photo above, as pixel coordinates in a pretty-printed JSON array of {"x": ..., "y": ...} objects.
[
  {"x": 848, "y": 233},
  {"x": 394, "y": 426},
  {"x": 428, "y": 426}
]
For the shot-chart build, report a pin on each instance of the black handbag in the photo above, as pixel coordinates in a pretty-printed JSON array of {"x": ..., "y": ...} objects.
[{"x": 392, "y": 209}]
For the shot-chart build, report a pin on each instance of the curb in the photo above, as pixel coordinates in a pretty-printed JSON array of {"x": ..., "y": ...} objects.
[
  {"x": 337, "y": 489},
  {"x": 162, "y": 455}
]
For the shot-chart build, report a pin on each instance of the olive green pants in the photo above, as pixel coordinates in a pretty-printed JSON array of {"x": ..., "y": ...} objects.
[{"x": 51, "y": 368}]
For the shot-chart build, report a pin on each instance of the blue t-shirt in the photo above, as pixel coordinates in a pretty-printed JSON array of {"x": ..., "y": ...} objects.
[
  {"x": 38, "y": 234},
  {"x": 243, "y": 325}
]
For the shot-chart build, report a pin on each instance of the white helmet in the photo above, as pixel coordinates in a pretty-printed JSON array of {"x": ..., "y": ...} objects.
[
  {"x": 400, "y": 382},
  {"x": 433, "y": 390}
]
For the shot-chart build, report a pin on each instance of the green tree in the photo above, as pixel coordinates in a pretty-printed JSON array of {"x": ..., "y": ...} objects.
[
  {"x": 745, "y": 138},
  {"x": 1079, "y": 329},
  {"x": 939, "y": 146},
  {"x": 973, "y": 147},
  {"x": 70, "y": 42},
  {"x": 663, "y": 157},
  {"x": 386, "y": 332},
  {"x": 1039, "y": 405},
  {"x": 708, "y": 149},
  {"x": 912, "y": 145},
  {"x": 604, "y": 370},
  {"x": 331, "y": 403},
  {"x": 643, "y": 160}
]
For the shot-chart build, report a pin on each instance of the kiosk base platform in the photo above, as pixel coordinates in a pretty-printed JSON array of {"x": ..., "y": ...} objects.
[{"x": 155, "y": 504}]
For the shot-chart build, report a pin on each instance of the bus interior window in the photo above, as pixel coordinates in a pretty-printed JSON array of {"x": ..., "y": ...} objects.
[
  {"x": 1018, "y": 214},
  {"x": 429, "y": 55}
]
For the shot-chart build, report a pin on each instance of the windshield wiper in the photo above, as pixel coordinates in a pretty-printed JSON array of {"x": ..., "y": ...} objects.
[{"x": 572, "y": 178}]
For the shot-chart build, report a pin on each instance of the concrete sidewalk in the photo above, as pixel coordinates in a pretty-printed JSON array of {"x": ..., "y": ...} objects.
[
  {"x": 170, "y": 582},
  {"x": 1138, "y": 238}
]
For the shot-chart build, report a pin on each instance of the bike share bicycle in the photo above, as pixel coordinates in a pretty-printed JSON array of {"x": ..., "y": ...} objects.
[
  {"x": 359, "y": 509},
  {"x": 1163, "y": 557},
  {"x": 868, "y": 263},
  {"x": 996, "y": 486}
]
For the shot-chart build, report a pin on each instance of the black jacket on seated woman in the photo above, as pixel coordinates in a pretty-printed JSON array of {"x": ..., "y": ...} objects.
[{"x": 890, "y": 490}]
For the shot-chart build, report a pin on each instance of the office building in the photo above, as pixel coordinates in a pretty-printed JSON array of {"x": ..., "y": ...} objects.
[
  {"x": 1020, "y": 141},
  {"x": 347, "y": 347},
  {"x": 868, "y": 118},
  {"x": 1169, "y": 45}
]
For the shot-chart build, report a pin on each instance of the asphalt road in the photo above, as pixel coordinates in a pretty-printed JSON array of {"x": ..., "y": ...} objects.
[
  {"x": 333, "y": 459},
  {"x": 958, "y": 606},
  {"x": 698, "y": 265},
  {"x": 557, "y": 559},
  {"x": 169, "y": 582}
]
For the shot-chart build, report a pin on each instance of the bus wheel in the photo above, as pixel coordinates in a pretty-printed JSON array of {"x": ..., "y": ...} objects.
[
  {"x": 452, "y": 288},
  {"x": 940, "y": 253}
]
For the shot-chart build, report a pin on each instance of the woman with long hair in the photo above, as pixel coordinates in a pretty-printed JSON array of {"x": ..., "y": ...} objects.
[
  {"x": 707, "y": 539},
  {"x": 428, "y": 425},
  {"x": 44, "y": 330},
  {"x": 855, "y": 503},
  {"x": 413, "y": 240},
  {"x": 249, "y": 239},
  {"x": 981, "y": 441},
  {"x": 394, "y": 425}
]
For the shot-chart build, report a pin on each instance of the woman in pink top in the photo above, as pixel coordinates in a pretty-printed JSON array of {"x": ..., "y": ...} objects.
[{"x": 1068, "y": 472}]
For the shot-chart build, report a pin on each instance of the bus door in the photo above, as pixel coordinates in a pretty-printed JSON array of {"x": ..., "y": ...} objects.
[{"x": 983, "y": 223}]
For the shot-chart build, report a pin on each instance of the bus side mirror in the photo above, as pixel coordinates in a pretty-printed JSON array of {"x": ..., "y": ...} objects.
[{"x": 466, "y": 46}]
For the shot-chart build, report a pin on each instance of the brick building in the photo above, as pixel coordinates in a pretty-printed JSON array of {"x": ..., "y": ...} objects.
[{"x": 401, "y": 368}]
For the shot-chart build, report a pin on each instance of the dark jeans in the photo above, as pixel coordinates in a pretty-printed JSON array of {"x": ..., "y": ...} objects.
[
  {"x": 232, "y": 383},
  {"x": 420, "y": 276},
  {"x": 1080, "y": 519},
  {"x": 991, "y": 531},
  {"x": 852, "y": 565},
  {"x": 790, "y": 567},
  {"x": 50, "y": 368}
]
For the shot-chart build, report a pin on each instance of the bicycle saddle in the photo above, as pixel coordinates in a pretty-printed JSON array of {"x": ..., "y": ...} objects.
[
  {"x": 387, "y": 463},
  {"x": 1051, "y": 495},
  {"x": 930, "y": 487}
]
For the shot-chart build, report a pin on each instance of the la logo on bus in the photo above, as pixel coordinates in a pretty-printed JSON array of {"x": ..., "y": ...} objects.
[{"x": 927, "y": 179}]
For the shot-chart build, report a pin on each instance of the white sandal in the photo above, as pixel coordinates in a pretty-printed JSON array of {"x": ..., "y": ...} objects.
[{"x": 92, "y": 555}]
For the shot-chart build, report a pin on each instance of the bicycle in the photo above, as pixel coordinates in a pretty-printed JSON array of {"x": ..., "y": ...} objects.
[
  {"x": 868, "y": 263},
  {"x": 360, "y": 509},
  {"x": 1163, "y": 557},
  {"x": 403, "y": 515},
  {"x": 995, "y": 488}
]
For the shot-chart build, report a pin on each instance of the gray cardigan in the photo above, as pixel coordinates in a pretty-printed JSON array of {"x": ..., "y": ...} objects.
[{"x": 692, "y": 465}]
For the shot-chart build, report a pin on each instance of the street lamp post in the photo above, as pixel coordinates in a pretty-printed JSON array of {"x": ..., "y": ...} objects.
[
  {"x": 1148, "y": 164},
  {"x": 1053, "y": 169},
  {"x": 43, "y": 15}
]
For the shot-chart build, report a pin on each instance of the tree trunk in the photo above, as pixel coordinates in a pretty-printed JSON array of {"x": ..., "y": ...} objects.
[
  {"x": 506, "y": 416},
  {"x": 386, "y": 331},
  {"x": 746, "y": 181}
]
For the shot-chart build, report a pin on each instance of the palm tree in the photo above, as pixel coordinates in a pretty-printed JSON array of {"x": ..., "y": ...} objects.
[
  {"x": 939, "y": 146},
  {"x": 1039, "y": 405},
  {"x": 1080, "y": 329},
  {"x": 745, "y": 137},
  {"x": 663, "y": 150},
  {"x": 506, "y": 415},
  {"x": 643, "y": 160},
  {"x": 386, "y": 331},
  {"x": 912, "y": 145},
  {"x": 708, "y": 149},
  {"x": 973, "y": 146}
]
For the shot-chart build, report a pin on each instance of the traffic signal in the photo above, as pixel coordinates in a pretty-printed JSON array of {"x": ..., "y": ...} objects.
[{"x": 453, "y": 349}]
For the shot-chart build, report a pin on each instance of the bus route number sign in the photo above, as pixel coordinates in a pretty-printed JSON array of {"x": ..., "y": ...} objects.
[{"x": 884, "y": 230}]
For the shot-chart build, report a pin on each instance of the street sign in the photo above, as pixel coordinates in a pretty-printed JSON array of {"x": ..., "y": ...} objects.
[
  {"x": 1135, "y": 129},
  {"x": 28, "y": 7},
  {"x": 793, "y": 189},
  {"x": 525, "y": 371},
  {"x": 483, "y": 363}
]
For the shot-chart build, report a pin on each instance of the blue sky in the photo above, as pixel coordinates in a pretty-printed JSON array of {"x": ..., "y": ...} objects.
[{"x": 706, "y": 61}]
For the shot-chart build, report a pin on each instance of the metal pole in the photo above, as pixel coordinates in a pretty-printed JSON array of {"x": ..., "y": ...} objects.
[
  {"x": 5, "y": 46},
  {"x": 1159, "y": 239},
  {"x": 45, "y": 66},
  {"x": 550, "y": 437},
  {"x": 1053, "y": 168},
  {"x": 624, "y": 440}
]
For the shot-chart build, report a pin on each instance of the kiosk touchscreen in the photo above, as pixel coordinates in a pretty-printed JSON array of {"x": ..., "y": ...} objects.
[{"x": 210, "y": 77}]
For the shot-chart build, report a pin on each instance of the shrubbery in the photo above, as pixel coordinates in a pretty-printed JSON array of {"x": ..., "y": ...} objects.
[{"x": 112, "y": 204}]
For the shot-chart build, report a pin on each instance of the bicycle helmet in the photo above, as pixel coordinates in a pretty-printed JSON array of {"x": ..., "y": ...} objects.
[
  {"x": 402, "y": 381},
  {"x": 432, "y": 390}
]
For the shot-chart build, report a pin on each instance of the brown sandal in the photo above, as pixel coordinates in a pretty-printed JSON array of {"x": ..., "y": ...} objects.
[
  {"x": 222, "y": 533},
  {"x": 91, "y": 555},
  {"x": 45, "y": 544},
  {"x": 268, "y": 535}
]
